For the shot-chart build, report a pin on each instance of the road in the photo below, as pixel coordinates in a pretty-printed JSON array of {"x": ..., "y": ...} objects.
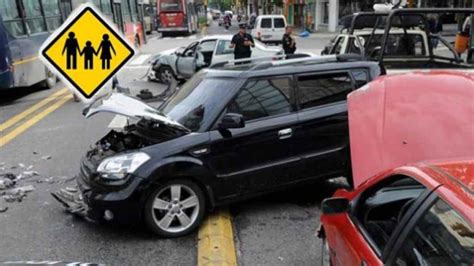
[{"x": 278, "y": 229}]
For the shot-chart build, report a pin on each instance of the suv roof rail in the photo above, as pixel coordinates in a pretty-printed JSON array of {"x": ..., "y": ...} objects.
[
  {"x": 249, "y": 60},
  {"x": 269, "y": 61},
  {"x": 321, "y": 59}
]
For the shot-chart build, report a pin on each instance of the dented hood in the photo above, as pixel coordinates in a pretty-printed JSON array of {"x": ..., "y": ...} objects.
[
  {"x": 121, "y": 104},
  {"x": 402, "y": 119}
]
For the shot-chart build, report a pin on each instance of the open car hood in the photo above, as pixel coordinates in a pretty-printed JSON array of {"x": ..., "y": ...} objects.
[
  {"x": 402, "y": 119},
  {"x": 121, "y": 104}
]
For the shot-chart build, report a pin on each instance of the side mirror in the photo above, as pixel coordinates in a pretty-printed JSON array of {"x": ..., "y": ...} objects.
[
  {"x": 335, "y": 206},
  {"x": 232, "y": 120}
]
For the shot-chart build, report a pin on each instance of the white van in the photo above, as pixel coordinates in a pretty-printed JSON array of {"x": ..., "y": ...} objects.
[{"x": 269, "y": 28}]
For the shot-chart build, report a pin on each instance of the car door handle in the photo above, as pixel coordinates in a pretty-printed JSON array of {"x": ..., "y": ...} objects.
[{"x": 285, "y": 133}]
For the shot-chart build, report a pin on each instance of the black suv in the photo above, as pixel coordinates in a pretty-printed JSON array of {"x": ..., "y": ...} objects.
[{"x": 229, "y": 133}]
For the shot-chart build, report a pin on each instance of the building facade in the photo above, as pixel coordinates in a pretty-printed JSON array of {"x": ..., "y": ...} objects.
[{"x": 323, "y": 15}]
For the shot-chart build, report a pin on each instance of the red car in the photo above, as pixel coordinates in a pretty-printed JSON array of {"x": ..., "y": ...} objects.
[{"x": 412, "y": 149}]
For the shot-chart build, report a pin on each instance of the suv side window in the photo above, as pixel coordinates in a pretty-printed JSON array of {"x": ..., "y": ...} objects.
[
  {"x": 262, "y": 98},
  {"x": 440, "y": 237},
  {"x": 320, "y": 89}
]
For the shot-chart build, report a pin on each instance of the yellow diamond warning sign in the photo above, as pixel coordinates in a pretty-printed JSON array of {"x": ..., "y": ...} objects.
[{"x": 86, "y": 51}]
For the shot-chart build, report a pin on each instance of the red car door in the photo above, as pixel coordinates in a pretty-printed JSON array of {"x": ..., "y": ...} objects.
[{"x": 378, "y": 212}]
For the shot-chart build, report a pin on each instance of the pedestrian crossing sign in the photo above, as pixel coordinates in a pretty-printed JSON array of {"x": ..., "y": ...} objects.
[{"x": 86, "y": 51}]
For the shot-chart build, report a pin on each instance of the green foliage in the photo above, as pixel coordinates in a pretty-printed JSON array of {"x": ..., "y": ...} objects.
[{"x": 223, "y": 4}]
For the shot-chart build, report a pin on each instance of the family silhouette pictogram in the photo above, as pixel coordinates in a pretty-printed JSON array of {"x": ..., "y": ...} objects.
[{"x": 71, "y": 47}]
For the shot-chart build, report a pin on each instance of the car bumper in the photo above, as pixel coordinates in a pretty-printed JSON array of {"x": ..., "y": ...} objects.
[
  {"x": 172, "y": 29},
  {"x": 118, "y": 203}
]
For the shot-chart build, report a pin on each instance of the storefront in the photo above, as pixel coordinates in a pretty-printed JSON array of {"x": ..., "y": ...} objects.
[{"x": 328, "y": 12}]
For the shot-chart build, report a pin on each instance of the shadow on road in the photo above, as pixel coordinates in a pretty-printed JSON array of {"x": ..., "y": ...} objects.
[
  {"x": 305, "y": 195},
  {"x": 9, "y": 96}
]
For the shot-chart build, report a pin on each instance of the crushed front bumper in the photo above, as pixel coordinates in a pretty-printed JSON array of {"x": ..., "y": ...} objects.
[{"x": 98, "y": 202}]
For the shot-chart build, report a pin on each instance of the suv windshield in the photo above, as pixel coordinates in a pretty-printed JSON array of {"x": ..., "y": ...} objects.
[{"x": 197, "y": 102}]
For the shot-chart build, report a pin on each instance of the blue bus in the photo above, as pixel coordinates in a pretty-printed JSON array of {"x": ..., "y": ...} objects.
[{"x": 24, "y": 26}]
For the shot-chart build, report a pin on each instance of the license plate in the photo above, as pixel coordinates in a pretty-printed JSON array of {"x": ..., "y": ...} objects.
[{"x": 266, "y": 36}]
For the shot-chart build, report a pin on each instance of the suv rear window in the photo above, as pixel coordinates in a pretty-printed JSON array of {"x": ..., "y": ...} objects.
[
  {"x": 279, "y": 22},
  {"x": 266, "y": 23},
  {"x": 320, "y": 89}
]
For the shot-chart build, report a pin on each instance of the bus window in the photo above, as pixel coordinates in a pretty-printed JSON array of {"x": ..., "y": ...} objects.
[
  {"x": 11, "y": 18},
  {"x": 133, "y": 7},
  {"x": 106, "y": 7},
  {"x": 34, "y": 18},
  {"x": 52, "y": 14},
  {"x": 170, "y": 5},
  {"x": 96, "y": 3},
  {"x": 126, "y": 11}
]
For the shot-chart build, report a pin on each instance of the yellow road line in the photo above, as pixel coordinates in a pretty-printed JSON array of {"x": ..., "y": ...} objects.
[
  {"x": 35, "y": 119},
  {"x": 19, "y": 62},
  {"x": 216, "y": 241},
  {"x": 30, "y": 110}
]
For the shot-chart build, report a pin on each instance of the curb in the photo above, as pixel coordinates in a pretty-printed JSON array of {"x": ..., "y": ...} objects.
[{"x": 216, "y": 241}]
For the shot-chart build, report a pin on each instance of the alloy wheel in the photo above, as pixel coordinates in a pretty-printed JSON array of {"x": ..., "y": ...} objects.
[
  {"x": 175, "y": 208},
  {"x": 166, "y": 76}
]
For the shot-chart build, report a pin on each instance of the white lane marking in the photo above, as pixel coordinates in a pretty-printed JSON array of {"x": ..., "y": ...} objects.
[
  {"x": 192, "y": 37},
  {"x": 179, "y": 38},
  {"x": 139, "y": 59},
  {"x": 165, "y": 38}
]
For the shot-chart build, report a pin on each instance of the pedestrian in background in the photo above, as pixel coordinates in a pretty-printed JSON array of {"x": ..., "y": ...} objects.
[
  {"x": 241, "y": 42},
  {"x": 289, "y": 45}
]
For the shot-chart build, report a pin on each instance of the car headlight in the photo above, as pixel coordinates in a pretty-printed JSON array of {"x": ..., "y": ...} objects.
[{"x": 117, "y": 167}]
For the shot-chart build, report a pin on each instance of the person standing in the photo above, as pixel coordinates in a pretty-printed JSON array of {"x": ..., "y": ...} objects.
[
  {"x": 289, "y": 45},
  {"x": 241, "y": 42},
  {"x": 88, "y": 52},
  {"x": 104, "y": 48},
  {"x": 71, "y": 47}
]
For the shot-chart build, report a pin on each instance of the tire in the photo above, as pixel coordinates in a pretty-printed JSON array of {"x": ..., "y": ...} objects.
[
  {"x": 50, "y": 81},
  {"x": 325, "y": 256},
  {"x": 167, "y": 217},
  {"x": 165, "y": 74}
]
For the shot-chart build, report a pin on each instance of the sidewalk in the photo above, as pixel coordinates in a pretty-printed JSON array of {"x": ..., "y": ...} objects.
[{"x": 321, "y": 34}]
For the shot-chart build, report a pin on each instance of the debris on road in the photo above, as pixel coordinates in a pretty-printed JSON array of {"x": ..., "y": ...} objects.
[
  {"x": 71, "y": 189},
  {"x": 6, "y": 181},
  {"x": 16, "y": 194},
  {"x": 3, "y": 209},
  {"x": 47, "y": 157},
  {"x": 72, "y": 202}
]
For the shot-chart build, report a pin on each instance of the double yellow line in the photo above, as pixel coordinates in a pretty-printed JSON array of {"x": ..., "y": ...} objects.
[{"x": 53, "y": 102}]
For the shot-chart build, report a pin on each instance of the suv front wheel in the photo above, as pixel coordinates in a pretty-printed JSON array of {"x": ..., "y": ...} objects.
[{"x": 175, "y": 208}]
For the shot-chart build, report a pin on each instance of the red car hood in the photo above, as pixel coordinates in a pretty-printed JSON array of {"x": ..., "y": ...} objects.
[{"x": 402, "y": 119}]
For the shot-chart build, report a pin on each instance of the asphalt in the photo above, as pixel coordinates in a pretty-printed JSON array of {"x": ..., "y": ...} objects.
[{"x": 278, "y": 229}]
